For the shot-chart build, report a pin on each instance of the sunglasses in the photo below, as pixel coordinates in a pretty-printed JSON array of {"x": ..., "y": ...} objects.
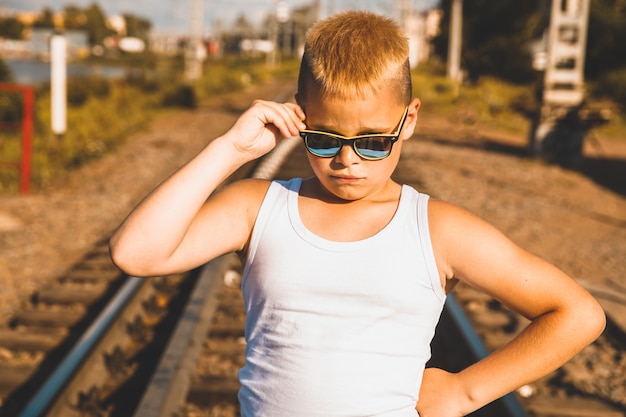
[{"x": 371, "y": 147}]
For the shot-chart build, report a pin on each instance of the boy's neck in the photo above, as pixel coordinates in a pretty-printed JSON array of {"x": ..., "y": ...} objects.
[
  {"x": 312, "y": 188},
  {"x": 336, "y": 219}
]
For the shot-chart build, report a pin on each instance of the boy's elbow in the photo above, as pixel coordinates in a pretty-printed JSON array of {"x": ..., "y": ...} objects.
[
  {"x": 600, "y": 319},
  {"x": 125, "y": 261},
  {"x": 119, "y": 260},
  {"x": 594, "y": 318}
]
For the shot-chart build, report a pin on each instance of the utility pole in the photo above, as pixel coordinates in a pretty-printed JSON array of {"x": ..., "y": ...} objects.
[
  {"x": 404, "y": 11},
  {"x": 317, "y": 9},
  {"x": 273, "y": 37},
  {"x": 194, "y": 52},
  {"x": 413, "y": 26},
  {"x": 454, "y": 41},
  {"x": 280, "y": 17}
]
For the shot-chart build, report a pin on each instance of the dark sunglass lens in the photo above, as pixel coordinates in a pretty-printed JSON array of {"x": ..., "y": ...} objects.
[
  {"x": 322, "y": 145},
  {"x": 373, "y": 147}
]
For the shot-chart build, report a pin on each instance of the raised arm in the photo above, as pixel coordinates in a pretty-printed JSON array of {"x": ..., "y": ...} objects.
[
  {"x": 183, "y": 223},
  {"x": 564, "y": 317}
]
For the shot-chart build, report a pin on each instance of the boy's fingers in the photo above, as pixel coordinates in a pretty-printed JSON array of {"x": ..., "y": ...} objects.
[
  {"x": 298, "y": 112},
  {"x": 297, "y": 117},
  {"x": 287, "y": 118}
]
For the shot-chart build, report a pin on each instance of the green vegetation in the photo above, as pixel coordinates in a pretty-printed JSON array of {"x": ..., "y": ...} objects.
[
  {"x": 11, "y": 28},
  {"x": 5, "y": 72},
  {"x": 491, "y": 102},
  {"x": 488, "y": 101},
  {"x": 103, "y": 114}
]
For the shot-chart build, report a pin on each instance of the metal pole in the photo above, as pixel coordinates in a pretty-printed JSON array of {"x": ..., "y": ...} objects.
[
  {"x": 404, "y": 11},
  {"x": 273, "y": 37},
  {"x": 454, "y": 42},
  {"x": 27, "y": 139},
  {"x": 58, "y": 83},
  {"x": 317, "y": 8}
]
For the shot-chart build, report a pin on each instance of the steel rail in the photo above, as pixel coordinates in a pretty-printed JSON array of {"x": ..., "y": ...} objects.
[
  {"x": 169, "y": 384},
  {"x": 71, "y": 363}
]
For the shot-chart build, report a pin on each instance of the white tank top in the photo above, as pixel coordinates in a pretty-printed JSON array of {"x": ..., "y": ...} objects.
[{"x": 337, "y": 328}]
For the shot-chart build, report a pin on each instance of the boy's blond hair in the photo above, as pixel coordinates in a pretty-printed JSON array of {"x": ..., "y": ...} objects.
[{"x": 355, "y": 54}]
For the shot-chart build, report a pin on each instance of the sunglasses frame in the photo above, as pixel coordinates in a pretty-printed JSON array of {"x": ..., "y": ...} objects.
[{"x": 345, "y": 140}]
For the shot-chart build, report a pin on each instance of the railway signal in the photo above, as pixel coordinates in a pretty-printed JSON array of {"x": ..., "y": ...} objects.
[{"x": 563, "y": 120}]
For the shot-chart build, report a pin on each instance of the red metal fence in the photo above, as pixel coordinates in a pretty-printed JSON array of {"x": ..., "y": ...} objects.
[{"x": 26, "y": 126}]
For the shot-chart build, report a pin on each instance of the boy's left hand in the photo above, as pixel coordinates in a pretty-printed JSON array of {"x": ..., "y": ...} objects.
[
  {"x": 439, "y": 394},
  {"x": 262, "y": 125}
]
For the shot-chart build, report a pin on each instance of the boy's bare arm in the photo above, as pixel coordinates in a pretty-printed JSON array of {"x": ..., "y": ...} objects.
[
  {"x": 564, "y": 317},
  {"x": 181, "y": 224}
]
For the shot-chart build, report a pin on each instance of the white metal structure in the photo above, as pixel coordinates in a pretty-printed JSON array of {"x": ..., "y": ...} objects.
[
  {"x": 567, "y": 40},
  {"x": 559, "y": 129}
]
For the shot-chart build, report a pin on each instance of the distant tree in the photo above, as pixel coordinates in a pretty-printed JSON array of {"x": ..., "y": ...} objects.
[
  {"x": 606, "y": 48},
  {"x": 97, "y": 29},
  {"x": 241, "y": 29},
  {"x": 11, "y": 28},
  {"x": 496, "y": 37},
  {"x": 45, "y": 19},
  {"x": 5, "y": 72},
  {"x": 74, "y": 18},
  {"x": 11, "y": 103},
  {"x": 137, "y": 27},
  {"x": 242, "y": 25}
]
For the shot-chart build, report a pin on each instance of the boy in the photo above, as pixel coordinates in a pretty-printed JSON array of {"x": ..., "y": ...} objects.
[{"x": 345, "y": 273}]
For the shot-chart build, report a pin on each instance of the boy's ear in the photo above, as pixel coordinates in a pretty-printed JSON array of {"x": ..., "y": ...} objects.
[{"x": 411, "y": 118}]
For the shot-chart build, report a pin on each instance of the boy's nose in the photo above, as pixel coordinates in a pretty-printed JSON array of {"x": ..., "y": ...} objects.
[{"x": 347, "y": 156}]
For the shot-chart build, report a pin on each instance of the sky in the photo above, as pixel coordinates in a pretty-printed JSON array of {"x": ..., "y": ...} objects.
[{"x": 172, "y": 16}]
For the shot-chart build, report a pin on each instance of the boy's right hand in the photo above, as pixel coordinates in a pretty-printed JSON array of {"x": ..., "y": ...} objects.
[
  {"x": 439, "y": 394},
  {"x": 262, "y": 125}
]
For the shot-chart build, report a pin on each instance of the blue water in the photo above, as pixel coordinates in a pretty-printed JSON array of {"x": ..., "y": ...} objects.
[{"x": 36, "y": 72}]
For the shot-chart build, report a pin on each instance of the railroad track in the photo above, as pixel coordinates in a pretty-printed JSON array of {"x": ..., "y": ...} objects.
[
  {"x": 83, "y": 339},
  {"x": 97, "y": 343}
]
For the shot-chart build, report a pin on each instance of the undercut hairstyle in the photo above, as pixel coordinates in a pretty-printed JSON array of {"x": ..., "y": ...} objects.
[{"x": 355, "y": 54}]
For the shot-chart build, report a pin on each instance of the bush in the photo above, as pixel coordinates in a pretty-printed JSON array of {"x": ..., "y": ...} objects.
[
  {"x": 141, "y": 79},
  {"x": 182, "y": 95},
  {"x": 612, "y": 85},
  {"x": 79, "y": 89},
  {"x": 5, "y": 72},
  {"x": 11, "y": 104}
]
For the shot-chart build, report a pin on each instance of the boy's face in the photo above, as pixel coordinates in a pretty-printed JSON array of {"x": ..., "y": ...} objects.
[{"x": 347, "y": 175}]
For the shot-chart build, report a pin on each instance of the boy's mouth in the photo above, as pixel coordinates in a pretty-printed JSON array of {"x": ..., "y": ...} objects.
[{"x": 346, "y": 178}]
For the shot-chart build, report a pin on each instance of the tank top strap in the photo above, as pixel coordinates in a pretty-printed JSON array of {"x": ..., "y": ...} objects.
[{"x": 428, "y": 252}]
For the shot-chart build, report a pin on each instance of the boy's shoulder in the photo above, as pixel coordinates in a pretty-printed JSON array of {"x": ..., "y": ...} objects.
[
  {"x": 441, "y": 212},
  {"x": 452, "y": 224}
]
